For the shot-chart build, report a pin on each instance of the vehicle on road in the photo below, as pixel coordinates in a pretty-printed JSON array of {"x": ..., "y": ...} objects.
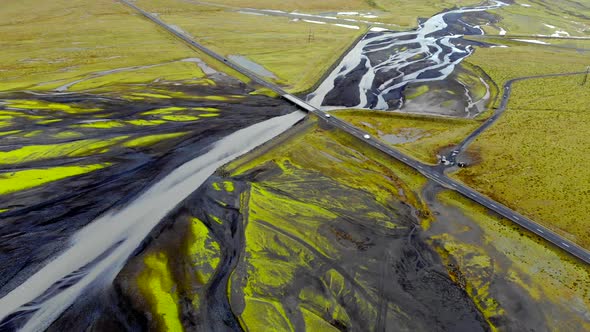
[{"x": 367, "y": 136}]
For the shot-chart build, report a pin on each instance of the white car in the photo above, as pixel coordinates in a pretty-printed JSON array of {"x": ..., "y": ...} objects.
[
  {"x": 328, "y": 115},
  {"x": 367, "y": 136}
]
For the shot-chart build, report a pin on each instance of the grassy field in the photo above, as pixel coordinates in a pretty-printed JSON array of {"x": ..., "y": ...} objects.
[
  {"x": 505, "y": 63},
  {"x": 544, "y": 17},
  {"x": 85, "y": 38},
  {"x": 534, "y": 159},
  {"x": 492, "y": 251},
  {"x": 404, "y": 13},
  {"x": 419, "y": 136},
  {"x": 279, "y": 44}
]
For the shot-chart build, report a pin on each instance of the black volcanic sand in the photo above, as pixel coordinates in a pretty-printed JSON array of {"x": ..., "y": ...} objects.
[
  {"x": 41, "y": 220},
  {"x": 314, "y": 225},
  {"x": 448, "y": 97},
  {"x": 295, "y": 222}
]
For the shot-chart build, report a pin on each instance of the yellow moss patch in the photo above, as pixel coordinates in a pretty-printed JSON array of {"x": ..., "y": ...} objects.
[
  {"x": 206, "y": 109},
  {"x": 45, "y": 105},
  {"x": 6, "y": 133},
  {"x": 42, "y": 152},
  {"x": 150, "y": 140},
  {"x": 145, "y": 122},
  {"x": 171, "y": 71},
  {"x": 157, "y": 285},
  {"x": 152, "y": 95},
  {"x": 265, "y": 92},
  {"x": 203, "y": 250},
  {"x": 208, "y": 115},
  {"x": 32, "y": 133},
  {"x": 167, "y": 110},
  {"x": 49, "y": 121},
  {"x": 67, "y": 134},
  {"x": 260, "y": 315},
  {"x": 180, "y": 118},
  {"x": 21, "y": 180},
  {"x": 101, "y": 125}
]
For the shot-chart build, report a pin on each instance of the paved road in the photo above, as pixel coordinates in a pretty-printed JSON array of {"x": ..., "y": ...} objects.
[
  {"x": 432, "y": 172},
  {"x": 507, "y": 90}
]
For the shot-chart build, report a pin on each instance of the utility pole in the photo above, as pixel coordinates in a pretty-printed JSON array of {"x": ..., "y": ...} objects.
[
  {"x": 310, "y": 36},
  {"x": 585, "y": 80}
]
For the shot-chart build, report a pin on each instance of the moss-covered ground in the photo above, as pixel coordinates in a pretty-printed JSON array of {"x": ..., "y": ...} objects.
[
  {"x": 322, "y": 219},
  {"x": 533, "y": 158},
  {"x": 491, "y": 252}
]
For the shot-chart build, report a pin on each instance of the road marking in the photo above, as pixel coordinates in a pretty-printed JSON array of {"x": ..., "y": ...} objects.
[
  {"x": 565, "y": 244},
  {"x": 540, "y": 230}
]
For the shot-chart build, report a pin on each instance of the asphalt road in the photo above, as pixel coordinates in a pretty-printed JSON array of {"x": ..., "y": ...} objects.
[
  {"x": 432, "y": 172},
  {"x": 507, "y": 90}
]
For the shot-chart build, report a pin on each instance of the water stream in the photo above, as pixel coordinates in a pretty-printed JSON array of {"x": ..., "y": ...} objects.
[
  {"x": 100, "y": 250},
  {"x": 375, "y": 72}
]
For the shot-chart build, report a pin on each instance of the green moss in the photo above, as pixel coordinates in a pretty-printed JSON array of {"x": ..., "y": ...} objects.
[
  {"x": 142, "y": 122},
  {"x": 67, "y": 134},
  {"x": 101, "y": 125},
  {"x": 206, "y": 109},
  {"x": 417, "y": 92},
  {"x": 260, "y": 314},
  {"x": 204, "y": 252},
  {"x": 151, "y": 95},
  {"x": 20, "y": 180},
  {"x": 33, "y": 133},
  {"x": 11, "y": 132},
  {"x": 166, "y": 110},
  {"x": 265, "y": 92},
  {"x": 180, "y": 118},
  {"x": 45, "y": 105},
  {"x": 157, "y": 285},
  {"x": 42, "y": 152},
  {"x": 49, "y": 121},
  {"x": 167, "y": 71},
  {"x": 150, "y": 140}
]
